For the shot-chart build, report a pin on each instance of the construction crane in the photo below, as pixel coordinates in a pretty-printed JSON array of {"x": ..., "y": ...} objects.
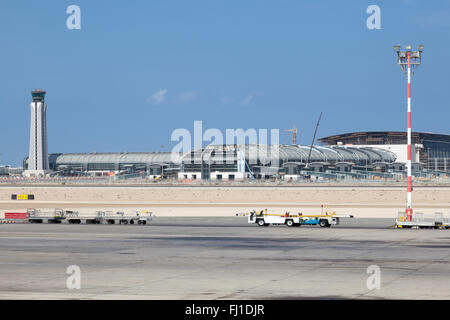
[
  {"x": 312, "y": 142},
  {"x": 294, "y": 132},
  {"x": 252, "y": 176}
]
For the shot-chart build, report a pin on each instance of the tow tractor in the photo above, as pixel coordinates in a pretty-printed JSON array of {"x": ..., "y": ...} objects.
[{"x": 263, "y": 219}]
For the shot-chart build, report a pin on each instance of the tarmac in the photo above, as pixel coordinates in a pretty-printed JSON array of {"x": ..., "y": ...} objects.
[{"x": 224, "y": 258}]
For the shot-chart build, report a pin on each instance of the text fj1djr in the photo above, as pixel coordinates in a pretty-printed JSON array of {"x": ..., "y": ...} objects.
[{"x": 233, "y": 310}]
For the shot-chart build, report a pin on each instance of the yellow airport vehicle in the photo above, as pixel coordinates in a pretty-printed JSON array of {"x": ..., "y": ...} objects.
[{"x": 263, "y": 218}]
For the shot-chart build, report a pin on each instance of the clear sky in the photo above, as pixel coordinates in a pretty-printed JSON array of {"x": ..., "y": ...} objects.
[{"x": 137, "y": 70}]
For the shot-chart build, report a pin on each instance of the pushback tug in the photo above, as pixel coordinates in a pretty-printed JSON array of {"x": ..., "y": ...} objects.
[{"x": 262, "y": 218}]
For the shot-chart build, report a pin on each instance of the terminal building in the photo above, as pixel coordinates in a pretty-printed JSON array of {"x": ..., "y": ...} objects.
[
  {"x": 430, "y": 149},
  {"x": 152, "y": 164},
  {"x": 362, "y": 155},
  {"x": 240, "y": 162},
  {"x": 224, "y": 162}
]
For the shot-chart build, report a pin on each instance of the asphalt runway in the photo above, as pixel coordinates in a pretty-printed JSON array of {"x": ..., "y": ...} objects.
[{"x": 223, "y": 258}]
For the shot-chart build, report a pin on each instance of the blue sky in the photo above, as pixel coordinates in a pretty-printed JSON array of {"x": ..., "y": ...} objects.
[{"x": 137, "y": 70}]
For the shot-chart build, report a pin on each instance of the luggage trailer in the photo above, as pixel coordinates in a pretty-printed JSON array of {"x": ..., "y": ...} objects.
[
  {"x": 99, "y": 217},
  {"x": 37, "y": 216},
  {"x": 419, "y": 221},
  {"x": 108, "y": 217}
]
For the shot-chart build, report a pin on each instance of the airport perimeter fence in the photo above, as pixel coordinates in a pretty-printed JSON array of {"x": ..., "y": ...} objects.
[{"x": 144, "y": 181}]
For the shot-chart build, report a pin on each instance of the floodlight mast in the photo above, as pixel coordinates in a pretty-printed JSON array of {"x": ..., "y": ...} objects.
[{"x": 409, "y": 61}]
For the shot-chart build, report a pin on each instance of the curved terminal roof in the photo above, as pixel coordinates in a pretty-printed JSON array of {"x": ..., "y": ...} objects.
[
  {"x": 383, "y": 137},
  {"x": 265, "y": 154},
  {"x": 295, "y": 153},
  {"x": 123, "y": 157}
]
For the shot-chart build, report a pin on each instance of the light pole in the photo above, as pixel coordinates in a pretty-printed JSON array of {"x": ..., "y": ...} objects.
[{"x": 409, "y": 61}]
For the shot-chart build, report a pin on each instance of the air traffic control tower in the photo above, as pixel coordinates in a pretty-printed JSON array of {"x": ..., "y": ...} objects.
[{"x": 38, "y": 156}]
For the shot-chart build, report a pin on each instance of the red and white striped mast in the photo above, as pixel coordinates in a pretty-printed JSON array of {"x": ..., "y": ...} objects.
[{"x": 409, "y": 61}]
